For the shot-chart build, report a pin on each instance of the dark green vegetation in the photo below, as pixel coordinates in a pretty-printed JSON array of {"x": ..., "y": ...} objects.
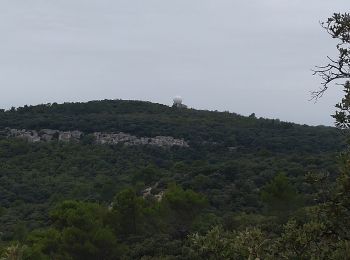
[
  {"x": 198, "y": 127},
  {"x": 228, "y": 171}
]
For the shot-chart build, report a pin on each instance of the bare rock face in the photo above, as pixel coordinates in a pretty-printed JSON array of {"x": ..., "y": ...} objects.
[
  {"x": 116, "y": 138},
  {"x": 44, "y": 135},
  {"x": 29, "y": 135},
  {"x": 48, "y": 131},
  {"x": 159, "y": 196},
  {"x": 168, "y": 141},
  {"x": 147, "y": 193},
  {"x": 69, "y": 136},
  {"x": 47, "y": 135}
]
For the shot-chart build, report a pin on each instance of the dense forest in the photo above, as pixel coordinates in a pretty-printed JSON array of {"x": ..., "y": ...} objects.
[
  {"x": 243, "y": 187},
  {"x": 80, "y": 200}
]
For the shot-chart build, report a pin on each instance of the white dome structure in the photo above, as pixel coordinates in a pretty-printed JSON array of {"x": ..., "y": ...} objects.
[{"x": 177, "y": 100}]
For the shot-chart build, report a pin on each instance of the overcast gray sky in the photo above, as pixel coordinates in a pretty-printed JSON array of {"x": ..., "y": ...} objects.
[{"x": 243, "y": 56}]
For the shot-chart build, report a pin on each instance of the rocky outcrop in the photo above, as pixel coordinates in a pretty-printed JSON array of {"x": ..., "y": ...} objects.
[
  {"x": 29, "y": 135},
  {"x": 69, "y": 136},
  {"x": 47, "y": 135},
  {"x": 44, "y": 135},
  {"x": 147, "y": 193},
  {"x": 116, "y": 138}
]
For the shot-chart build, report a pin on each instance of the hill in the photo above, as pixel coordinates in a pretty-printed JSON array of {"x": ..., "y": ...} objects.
[
  {"x": 228, "y": 159},
  {"x": 148, "y": 119}
]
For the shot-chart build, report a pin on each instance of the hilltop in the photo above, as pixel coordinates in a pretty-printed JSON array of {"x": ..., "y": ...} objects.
[{"x": 141, "y": 119}]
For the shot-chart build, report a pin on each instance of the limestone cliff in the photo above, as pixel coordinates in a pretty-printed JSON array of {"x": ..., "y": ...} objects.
[{"x": 47, "y": 135}]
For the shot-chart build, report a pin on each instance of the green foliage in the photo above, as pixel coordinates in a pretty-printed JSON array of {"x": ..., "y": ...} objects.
[
  {"x": 148, "y": 175},
  {"x": 218, "y": 244},
  {"x": 13, "y": 252},
  {"x": 280, "y": 196},
  {"x": 81, "y": 230},
  {"x": 181, "y": 207},
  {"x": 78, "y": 232},
  {"x": 342, "y": 116},
  {"x": 198, "y": 127},
  {"x": 127, "y": 212},
  {"x": 96, "y": 193},
  {"x": 303, "y": 241}
]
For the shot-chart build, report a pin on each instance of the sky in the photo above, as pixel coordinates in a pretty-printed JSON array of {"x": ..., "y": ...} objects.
[{"x": 247, "y": 56}]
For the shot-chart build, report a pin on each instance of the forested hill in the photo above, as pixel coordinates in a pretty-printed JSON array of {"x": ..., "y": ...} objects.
[
  {"x": 146, "y": 200},
  {"x": 196, "y": 126}
]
